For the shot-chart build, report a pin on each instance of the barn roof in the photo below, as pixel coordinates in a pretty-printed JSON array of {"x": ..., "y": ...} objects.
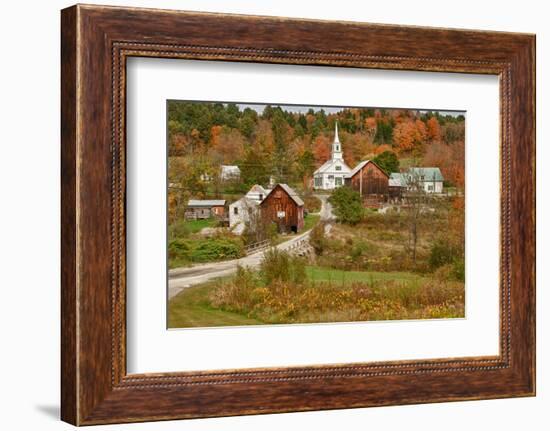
[
  {"x": 290, "y": 191},
  {"x": 429, "y": 174},
  {"x": 361, "y": 165},
  {"x": 206, "y": 203}
]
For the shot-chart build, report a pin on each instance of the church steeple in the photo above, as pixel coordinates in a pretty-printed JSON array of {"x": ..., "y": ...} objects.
[{"x": 336, "y": 145}]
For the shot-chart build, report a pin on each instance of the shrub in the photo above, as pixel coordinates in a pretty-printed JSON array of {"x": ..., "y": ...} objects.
[
  {"x": 312, "y": 203},
  {"x": 217, "y": 249},
  {"x": 317, "y": 239},
  {"x": 347, "y": 205},
  {"x": 179, "y": 249},
  {"x": 459, "y": 269},
  {"x": 279, "y": 266},
  {"x": 442, "y": 252}
]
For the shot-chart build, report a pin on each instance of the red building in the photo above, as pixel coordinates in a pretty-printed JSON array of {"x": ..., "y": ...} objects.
[
  {"x": 283, "y": 206},
  {"x": 370, "y": 181}
]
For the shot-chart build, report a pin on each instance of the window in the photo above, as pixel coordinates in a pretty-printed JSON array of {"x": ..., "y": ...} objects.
[
  {"x": 430, "y": 188},
  {"x": 235, "y": 210},
  {"x": 338, "y": 181},
  {"x": 331, "y": 177},
  {"x": 318, "y": 181},
  {"x": 338, "y": 168},
  {"x": 337, "y": 147},
  {"x": 261, "y": 197}
]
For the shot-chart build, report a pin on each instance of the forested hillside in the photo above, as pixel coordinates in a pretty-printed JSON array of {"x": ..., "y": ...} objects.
[{"x": 290, "y": 146}]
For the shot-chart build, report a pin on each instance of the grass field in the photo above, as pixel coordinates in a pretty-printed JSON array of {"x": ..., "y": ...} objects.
[
  {"x": 316, "y": 273},
  {"x": 193, "y": 307}
]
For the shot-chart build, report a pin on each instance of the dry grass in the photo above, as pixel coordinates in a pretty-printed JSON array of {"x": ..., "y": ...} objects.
[{"x": 311, "y": 301}]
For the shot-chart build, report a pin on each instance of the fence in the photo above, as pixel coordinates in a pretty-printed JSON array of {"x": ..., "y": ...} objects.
[{"x": 251, "y": 248}]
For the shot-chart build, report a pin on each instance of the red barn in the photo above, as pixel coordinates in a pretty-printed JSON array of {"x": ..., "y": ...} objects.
[
  {"x": 283, "y": 206},
  {"x": 370, "y": 181}
]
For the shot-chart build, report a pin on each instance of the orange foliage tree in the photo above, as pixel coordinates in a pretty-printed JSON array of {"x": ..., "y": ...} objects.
[{"x": 321, "y": 150}]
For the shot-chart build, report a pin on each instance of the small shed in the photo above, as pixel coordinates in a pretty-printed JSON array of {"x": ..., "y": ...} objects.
[
  {"x": 204, "y": 209},
  {"x": 368, "y": 179},
  {"x": 397, "y": 184},
  {"x": 283, "y": 206}
]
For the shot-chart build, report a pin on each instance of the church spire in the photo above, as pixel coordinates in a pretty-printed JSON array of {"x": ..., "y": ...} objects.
[
  {"x": 336, "y": 146},
  {"x": 336, "y": 138}
]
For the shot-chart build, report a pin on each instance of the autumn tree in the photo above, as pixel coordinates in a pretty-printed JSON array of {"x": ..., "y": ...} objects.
[
  {"x": 433, "y": 130},
  {"x": 321, "y": 150},
  {"x": 410, "y": 136}
]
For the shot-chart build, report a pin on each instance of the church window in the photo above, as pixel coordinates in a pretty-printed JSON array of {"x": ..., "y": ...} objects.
[{"x": 338, "y": 168}]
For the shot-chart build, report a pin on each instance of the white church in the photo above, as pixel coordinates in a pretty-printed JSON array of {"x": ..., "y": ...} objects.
[{"x": 331, "y": 175}]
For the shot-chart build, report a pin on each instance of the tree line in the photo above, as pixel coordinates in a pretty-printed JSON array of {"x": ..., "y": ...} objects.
[{"x": 289, "y": 146}]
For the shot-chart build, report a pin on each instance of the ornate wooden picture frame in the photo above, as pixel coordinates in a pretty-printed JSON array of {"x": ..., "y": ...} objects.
[{"x": 96, "y": 42}]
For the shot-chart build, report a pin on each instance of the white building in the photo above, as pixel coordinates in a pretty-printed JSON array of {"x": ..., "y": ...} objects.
[
  {"x": 230, "y": 172},
  {"x": 257, "y": 193},
  {"x": 332, "y": 173},
  {"x": 246, "y": 209},
  {"x": 430, "y": 179}
]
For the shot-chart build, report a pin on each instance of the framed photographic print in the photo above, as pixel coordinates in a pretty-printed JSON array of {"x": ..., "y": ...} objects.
[{"x": 267, "y": 215}]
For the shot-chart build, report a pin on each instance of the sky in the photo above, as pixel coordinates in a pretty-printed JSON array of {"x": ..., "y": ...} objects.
[{"x": 258, "y": 107}]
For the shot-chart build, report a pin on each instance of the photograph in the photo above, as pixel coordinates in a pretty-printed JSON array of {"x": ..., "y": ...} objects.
[{"x": 286, "y": 214}]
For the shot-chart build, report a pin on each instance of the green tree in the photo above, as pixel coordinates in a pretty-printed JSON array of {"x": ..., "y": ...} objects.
[
  {"x": 280, "y": 160},
  {"x": 306, "y": 165},
  {"x": 384, "y": 132},
  {"x": 388, "y": 161},
  {"x": 347, "y": 205},
  {"x": 254, "y": 169}
]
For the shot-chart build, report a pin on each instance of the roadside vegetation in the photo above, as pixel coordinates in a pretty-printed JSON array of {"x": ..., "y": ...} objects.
[{"x": 286, "y": 290}]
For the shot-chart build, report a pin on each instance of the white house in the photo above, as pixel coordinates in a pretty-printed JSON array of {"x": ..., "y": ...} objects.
[
  {"x": 430, "y": 179},
  {"x": 332, "y": 173},
  {"x": 246, "y": 208},
  {"x": 257, "y": 193},
  {"x": 230, "y": 172}
]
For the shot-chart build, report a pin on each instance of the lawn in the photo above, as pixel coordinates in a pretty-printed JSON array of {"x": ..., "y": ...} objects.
[
  {"x": 310, "y": 220},
  {"x": 191, "y": 309},
  {"x": 195, "y": 226},
  {"x": 317, "y": 273}
]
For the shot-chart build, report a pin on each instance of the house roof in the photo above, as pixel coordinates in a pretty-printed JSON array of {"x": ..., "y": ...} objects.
[
  {"x": 361, "y": 165},
  {"x": 245, "y": 200},
  {"x": 429, "y": 174},
  {"x": 290, "y": 191},
  {"x": 398, "y": 180},
  {"x": 256, "y": 188},
  {"x": 206, "y": 203},
  {"x": 230, "y": 168}
]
